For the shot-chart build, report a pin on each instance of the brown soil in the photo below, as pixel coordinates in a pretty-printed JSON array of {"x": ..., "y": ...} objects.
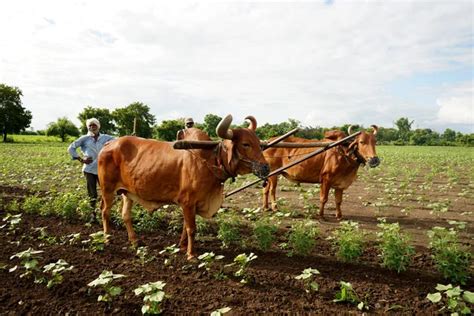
[{"x": 273, "y": 288}]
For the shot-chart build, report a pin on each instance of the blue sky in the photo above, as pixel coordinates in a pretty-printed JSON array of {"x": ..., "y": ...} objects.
[{"x": 323, "y": 63}]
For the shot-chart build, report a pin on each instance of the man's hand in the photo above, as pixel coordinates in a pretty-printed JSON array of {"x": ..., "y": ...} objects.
[{"x": 87, "y": 161}]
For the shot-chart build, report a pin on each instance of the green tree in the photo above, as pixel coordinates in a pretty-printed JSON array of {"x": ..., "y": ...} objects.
[
  {"x": 210, "y": 123},
  {"x": 270, "y": 130},
  {"x": 449, "y": 135},
  {"x": 62, "y": 128},
  {"x": 167, "y": 129},
  {"x": 104, "y": 116},
  {"x": 13, "y": 116},
  {"x": 124, "y": 118},
  {"x": 404, "y": 127},
  {"x": 424, "y": 136}
]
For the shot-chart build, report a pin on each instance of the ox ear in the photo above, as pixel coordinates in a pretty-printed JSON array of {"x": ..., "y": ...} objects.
[
  {"x": 375, "y": 129},
  {"x": 230, "y": 153}
]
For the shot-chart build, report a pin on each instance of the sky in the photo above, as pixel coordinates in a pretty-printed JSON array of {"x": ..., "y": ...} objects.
[{"x": 324, "y": 63}]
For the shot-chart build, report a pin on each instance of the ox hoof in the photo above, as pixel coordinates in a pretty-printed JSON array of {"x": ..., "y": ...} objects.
[
  {"x": 321, "y": 217},
  {"x": 192, "y": 258},
  {"x": 339, "y": 218}
]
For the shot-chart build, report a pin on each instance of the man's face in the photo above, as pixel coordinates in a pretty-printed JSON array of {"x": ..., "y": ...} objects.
[
  {"x": 189, "y": 125},
  {"x": 93, "y": 128}
]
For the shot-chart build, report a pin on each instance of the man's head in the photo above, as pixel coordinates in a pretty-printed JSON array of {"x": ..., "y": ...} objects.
[
  {"x": 93, "y": 126},
  {"x": 189, "y": 122}
]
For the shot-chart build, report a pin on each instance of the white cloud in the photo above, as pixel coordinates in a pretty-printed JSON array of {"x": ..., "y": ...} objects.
[
  {"x": 457, "y": 106},
  {"x": 321, "y": 64}
]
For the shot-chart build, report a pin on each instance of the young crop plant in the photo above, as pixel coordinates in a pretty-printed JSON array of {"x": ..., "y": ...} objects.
[
  {"x": 154, "y": 297},
  {"x": 12, "y": 223},
  {"x": 144, "y": 256},
  {"x": 221, "y": 311},
  {"x": 455, "y": 299},
  {"x": 308, "y": 276},
  {"x": 451, "y": 258},
  {"x": 242, "y": 261},
  {"x": 209, "y": 262},
  {"x": 347, "y": 294},
  {"x": 229, "y": 232},
  {"x": 71, "y": 239},
  {"x": 439, "y": 207},
  {"x": 349, "y": 241},
  {"x": 56, "y": 270},
  {"x": 32, "y": 204},
  {"x": 264, "y": 232},
  {"x": 170, "y": 252},
  {"x": 395, "y": 250},
  {"x": 104, "y": 281},
  {"x": 302, "y": 238},
  {"x": 97, "y": 241},
  {"x": 66, "y": 205},
  {"x": 43, "y": 236},
  {"x": 29, "y": 260}
]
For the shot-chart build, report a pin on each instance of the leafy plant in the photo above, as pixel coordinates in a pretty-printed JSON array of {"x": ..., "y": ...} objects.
[
  {"x": 97, "y": 241},
  {"x": 44, "y": 236},
  {"x": 455, "y": 300},
  {"x": 228, "y": 232},
  {"x": 71, "y": 239},
  {"x": 208, "y": 262},
  {"x": 56, "y": 270},
  {"x": 264, "y": 232},
  {"x": 308, "y": 280},
  {"x": 348, "y": 240},
  {"x": 243, "y": 261},
  {"x": 29, "y": 260},
  {"x": 347, "y": 294},
  {"x": 104, "y": 281},
  {"x": 451, "y": 258},
  {"x": 170, "y": 252},
  {"x": 396, "y": 252},
  {"x": 154, "y": 297},
  {"x": 33, "y": 204},
  {"x": 301, "y": 238},
  {"x": 66, "y": 205},
  {"x": 143, "y": 255},
  {"x": 12, "y": 222}
]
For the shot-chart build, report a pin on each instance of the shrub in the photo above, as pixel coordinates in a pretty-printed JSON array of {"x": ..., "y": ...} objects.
[
  {"x": 395, "y": 250},
  {"x": 451, "y": 258},
  {"x": 32, "y": 204},
  {"x": 301, "y": 238},
  {"x": 348, "y": 240}
]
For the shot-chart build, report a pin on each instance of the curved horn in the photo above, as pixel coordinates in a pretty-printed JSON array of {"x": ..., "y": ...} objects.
[
  {"x": 253, "y": 122},
  {"x": 222, "y": 129},
  {"x": 376, "y": 129},
  {"x": 349, "y": 130}
]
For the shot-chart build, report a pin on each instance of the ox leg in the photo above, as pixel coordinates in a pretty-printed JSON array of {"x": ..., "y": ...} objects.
[
  {"x": 190, "y": 227},
  {"x": 323, "y": 197},
  {"x": 272, "y": 184},
  {"x": 127, "y": 219},
  {"x": 338, "y": 198},
  {"x": 183, "y": 242},
  {"x": 106, "y": 204}
]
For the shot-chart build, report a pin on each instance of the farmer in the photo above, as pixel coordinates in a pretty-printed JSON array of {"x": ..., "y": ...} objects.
[
  {"x": 90, "y": 145},
  {"x": 189, "y": 123}
]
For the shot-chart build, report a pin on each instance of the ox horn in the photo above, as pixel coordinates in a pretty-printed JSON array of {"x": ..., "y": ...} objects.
[
  {"x": 349, "y": 130},
  {"x": 253, "y": 122},
  {"x": 376, "y": 129},
  {"x": 222, "y": 129}
]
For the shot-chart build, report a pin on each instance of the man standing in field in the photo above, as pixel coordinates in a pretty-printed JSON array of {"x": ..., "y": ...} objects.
[
  {"x": 90, "y": 145},
  {"x": 189, "y": 122}
]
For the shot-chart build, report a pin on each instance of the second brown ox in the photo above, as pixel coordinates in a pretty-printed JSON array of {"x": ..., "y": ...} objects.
[
  {"x": 152, "y": 173},
  {"x": 335, "y": 168}
]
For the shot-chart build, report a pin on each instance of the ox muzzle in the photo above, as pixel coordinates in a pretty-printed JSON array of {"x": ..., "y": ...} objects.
[
  {"x": 373, "y": 162},
  {"x": 259, "y": 169}
]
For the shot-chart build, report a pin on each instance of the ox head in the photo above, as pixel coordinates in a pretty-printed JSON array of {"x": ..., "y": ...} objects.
[
  {"x": 364, "y": 147},
  {"x": 242, "y": 147}
]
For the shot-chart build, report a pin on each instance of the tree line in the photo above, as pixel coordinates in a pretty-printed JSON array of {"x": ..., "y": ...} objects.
[{"x": 14, "y": 118}]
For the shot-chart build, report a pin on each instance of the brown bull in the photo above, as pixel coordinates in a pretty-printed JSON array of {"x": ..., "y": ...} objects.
[
  {"x": 335, "y": 168},
  {"x": 152, "y": 173}
]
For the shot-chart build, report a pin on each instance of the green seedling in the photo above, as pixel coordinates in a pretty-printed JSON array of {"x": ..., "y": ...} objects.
[
  {"x": 29, "y": 260},
  {"x": 395, "y": 250},
  {"x": 349, "y": 241},
  {"x": 243, "y": 261},
  {"x": 71, "y": 239},
  {"x": 143, "y": 255},
  {"x": 154, "y": 297},
  {"x": 209, "y": 261},
  {"x": 229, "y": 232},
  {"x": 56, "y": 271},
  {"x": 348, "y": 294},
  {"x": 12, "y": 222},
  {"x": 221, "y": 311},
  {"x": 302, "y": 238},
  {"x": 104, "y": 281},
  {"x": 264, "y": 233},
  {"x": 308, "y": 276},
  {"x": 455, "y": 299},
  {"x": 97, "y": 241},
  {"x": 43, "y": 236},
  {"x": 451, "y": 258},
  {"x": 170, "y": 252}
]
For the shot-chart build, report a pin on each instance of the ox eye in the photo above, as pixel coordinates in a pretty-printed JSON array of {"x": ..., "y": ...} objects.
[{"x": 246, "y": 145}]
